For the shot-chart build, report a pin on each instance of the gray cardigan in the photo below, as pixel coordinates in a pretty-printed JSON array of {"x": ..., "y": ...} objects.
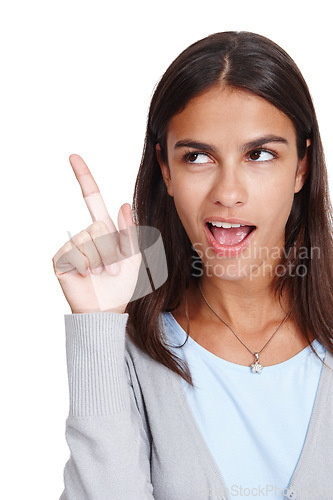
[{"x": 132, "y": 435}]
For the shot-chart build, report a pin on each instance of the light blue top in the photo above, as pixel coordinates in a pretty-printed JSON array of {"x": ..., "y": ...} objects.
[{"x": 257, "y": 421}]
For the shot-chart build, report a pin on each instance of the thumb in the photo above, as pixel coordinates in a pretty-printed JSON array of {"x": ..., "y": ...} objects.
[{"x": 128, "y": 235}]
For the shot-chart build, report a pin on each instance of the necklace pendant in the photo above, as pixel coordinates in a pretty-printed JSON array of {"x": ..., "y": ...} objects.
[{"x": 256, "y": 367}]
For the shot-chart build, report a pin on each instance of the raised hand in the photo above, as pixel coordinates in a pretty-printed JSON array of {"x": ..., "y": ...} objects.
[{"x": 98, "y": 268}]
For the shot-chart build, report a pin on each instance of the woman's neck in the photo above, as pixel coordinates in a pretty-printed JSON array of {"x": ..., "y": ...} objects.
[
  {"x": 240, "y": 304},
  {"x": 253, "y": 313}
]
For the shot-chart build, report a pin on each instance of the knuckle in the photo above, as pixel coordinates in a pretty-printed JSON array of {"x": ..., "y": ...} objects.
[
  {"x": 98, "y": 228},
  {"x": 67, "y": 247},
  {"x": 64, "y": 249},
  {"x": 81, "y": 237}
]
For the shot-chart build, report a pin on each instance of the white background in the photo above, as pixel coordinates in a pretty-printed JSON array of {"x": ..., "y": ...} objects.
[{"x": 77, "y": 77}]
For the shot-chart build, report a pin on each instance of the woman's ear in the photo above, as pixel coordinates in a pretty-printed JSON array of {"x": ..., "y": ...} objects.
[
  {"x": 165, "y": 170},
  {"x": 302, "y": 169}
]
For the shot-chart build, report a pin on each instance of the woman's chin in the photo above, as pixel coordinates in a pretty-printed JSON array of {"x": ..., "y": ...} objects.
[{"x": 228, "y": 271}]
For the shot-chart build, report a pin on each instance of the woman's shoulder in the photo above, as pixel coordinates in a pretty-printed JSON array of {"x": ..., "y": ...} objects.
[
  {"x": 141, "y": 359},
  {"x": 328, "y": 356}
]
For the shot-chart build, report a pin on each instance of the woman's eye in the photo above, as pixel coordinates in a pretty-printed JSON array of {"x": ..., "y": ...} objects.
[
  {"x": 261, "y": 155},
  {"x": 197, "y": 158}
]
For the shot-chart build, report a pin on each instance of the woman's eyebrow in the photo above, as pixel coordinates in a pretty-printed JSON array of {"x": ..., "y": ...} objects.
[
  {"x": 255, "y": 143},
  {"x": 188, "y": 143}
]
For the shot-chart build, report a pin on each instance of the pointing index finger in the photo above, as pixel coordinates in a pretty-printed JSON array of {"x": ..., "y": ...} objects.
[{"x": 90, "y": 191}]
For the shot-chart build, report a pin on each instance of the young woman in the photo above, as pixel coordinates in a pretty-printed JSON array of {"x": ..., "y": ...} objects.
[{"x": 219, "y": 382}]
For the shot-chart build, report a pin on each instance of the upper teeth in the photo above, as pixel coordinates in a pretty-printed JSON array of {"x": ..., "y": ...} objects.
[{"x": 225, "y": 225}]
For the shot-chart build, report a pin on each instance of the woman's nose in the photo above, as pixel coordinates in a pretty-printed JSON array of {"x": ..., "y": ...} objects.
[{"x": 229, "y": 185}]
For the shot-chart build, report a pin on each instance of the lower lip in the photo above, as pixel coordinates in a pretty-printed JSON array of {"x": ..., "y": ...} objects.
[{"x": 228, "y": 250}]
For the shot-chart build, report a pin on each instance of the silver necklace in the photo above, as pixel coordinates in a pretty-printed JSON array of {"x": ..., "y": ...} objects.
[{"x": 256, "y": 367}]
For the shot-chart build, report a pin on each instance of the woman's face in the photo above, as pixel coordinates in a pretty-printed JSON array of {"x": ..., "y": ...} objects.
[{"x": 232, "y": 157}]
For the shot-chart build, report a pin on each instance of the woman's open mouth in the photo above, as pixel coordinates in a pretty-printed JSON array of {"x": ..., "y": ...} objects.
[{"x": 229, "y": 241}]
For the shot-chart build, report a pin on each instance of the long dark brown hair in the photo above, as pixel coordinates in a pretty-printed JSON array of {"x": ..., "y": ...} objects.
[{"x": 253, "y": 63}]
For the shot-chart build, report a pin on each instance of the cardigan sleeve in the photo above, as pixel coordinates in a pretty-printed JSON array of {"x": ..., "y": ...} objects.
[{"x": 109, "y": 447}]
